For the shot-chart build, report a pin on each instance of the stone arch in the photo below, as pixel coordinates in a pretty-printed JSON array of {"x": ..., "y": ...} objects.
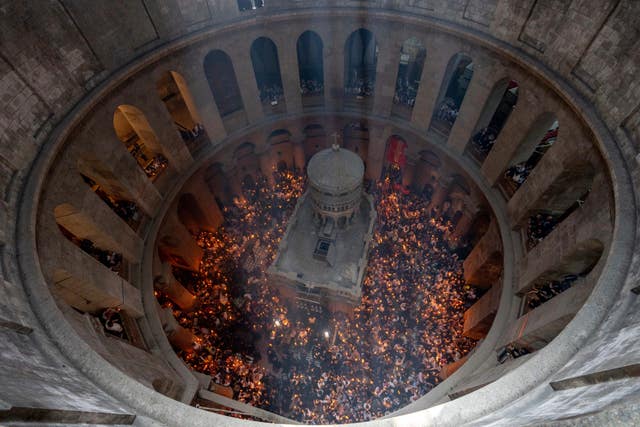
[
  {"x": 174, "y": 93},
  {"x": 453, "y": 89},
  {"x": 135, "y": 132}
]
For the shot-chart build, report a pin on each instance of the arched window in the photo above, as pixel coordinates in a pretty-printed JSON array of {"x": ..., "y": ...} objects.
[
  {"x": 412, "y": 56},
  {"x": 360, "y": 61},
  {"x": 133, "y": 129},
  {"x": 452, "y": 92},
  {"x": 311, "y": 68},
  {"x": 223, "y": 84},
  {"x": 245, "y": 5},
  {"x": 266, "y": 67},
  {"x": 541, "y": 136},
  {"x": 281, "y": 149},
  {"x": 494, "y": 115},
  {"x": 173, "y": 91}
]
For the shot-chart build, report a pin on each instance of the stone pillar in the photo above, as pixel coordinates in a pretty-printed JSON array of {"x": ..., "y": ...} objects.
[
  {"x": 83, "y": 282},
  {"x": 408, "y": 173},
  {"x": 432, "y": 74},
  {"x": 235, "y": 182},
  {"x": 288, "y": 56},
  {"x": 334, "y": 41},
  {"x": 559, "y": 177},
  {"x": 209, "y": 206},
  {"x": 510, "y": 139},
  {"x": 298, "y": 156},
  {"x": 386, "y": 73},
  {"x": 176, "y": 243},
  {"x": 479, "y": 317},
  {"x": 90, "y": 218},
  {"x": 440, "y": 194},
  {"x": 145, "y": 97},
  {"x": 241, "y": 58},
  {"x": 267, "y": 166},
  {"x": 484, "y": 77},
  {"x": 462, "y": 227},
  {"x": 193, "y": 73},
  {"x": 166, "y": 283},
  {"x": 179, "y": 337},
  {"x": 574, "y": 246},
  {"x": 483, "y": 266},
  {"x": 375, "y": 155},
  {"x": 538, "y": 327}
]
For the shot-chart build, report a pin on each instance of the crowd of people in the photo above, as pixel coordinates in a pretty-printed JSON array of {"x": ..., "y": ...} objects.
[
  {"x": 112, "y": 322},
  {"x": 539, "y": 227},
  {"x": 311, "y": 87},
  {"x": 484, "y": 140},
  {"x": 156, "y": 166},
  {"x": 448, "y": 112},
  {"x": 305, "y": 363},
  {"x": 360, "y": 87},
  {"x": 271, "y": 94},
  {"x": 125, "y": 209},
  {"x": 540, "y": 294},
  {"x": 405, "y": 93},
  {"x": 190, "y": 135}
]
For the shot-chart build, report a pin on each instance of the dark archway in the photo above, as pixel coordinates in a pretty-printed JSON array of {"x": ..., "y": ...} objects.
[
  {"x": 412, "y": 57},
  {"x": 311, "y": 68},
  {"x": 495, "y": 112},
  {"x": 222, "y": 82},
  {"x": 452, "y": 92},
  {"x": 360, "y": 61},
  {"x": 266, "y": 67}
]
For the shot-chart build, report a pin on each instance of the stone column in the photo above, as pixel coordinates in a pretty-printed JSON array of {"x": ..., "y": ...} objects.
[
  {"x": 193, "y": 72},
  {"x": 483, "y": 266},
  {"x": 145, "y": 97},
  {"x": 176, "y": 242},
  {"x": 479, "y": 317},
  {"x": 516, "y": 132},
  {"x": 166, "y": 283},
  {"x": 408, "y": 173},
  {"x": 375, "y": 155},
  {"x": 178, "y": 336},
  {"x": 432, "y": 74},
  {"x": 484, "y": 77},
  {"x": 288, "y": 56},
  {"x": 298, "y": 155},
  {"x": 267, "y": 166},
  {"x": 386, "y": 73},
  {"x": 462, "y": 227},
  {"x": 242, "y": 65},
  {"x": 440, "y": 194}
]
